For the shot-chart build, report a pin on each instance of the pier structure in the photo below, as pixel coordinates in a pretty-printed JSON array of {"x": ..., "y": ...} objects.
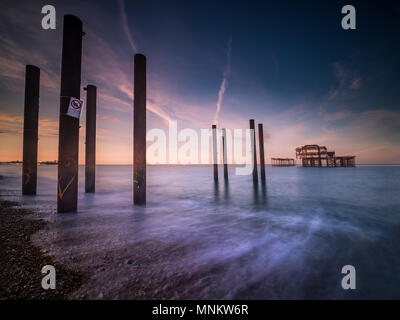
[
  {"x": 225, "y": 153},
  {"x": 315, "y": 156},
  {"x": 262, "y": 156},
  {"x": 139, "y": 130},
  {"x": 90, "y": 147},
  {"x": 283, "y": 162},
  {"x": 215, "y": 152},
  {"x": 344, "y": 161},
  {"x": 30, "y": 139},
  {"x": 68, "y": 143},
  {"x": 253, "y": 150}
]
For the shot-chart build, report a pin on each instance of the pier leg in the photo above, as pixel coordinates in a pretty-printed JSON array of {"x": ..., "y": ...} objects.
[
  {"x": 225, "y": 153},
  {"x": 30, "y": 140},
  {"x": 215, "y": 153},
  {"x": 68, "y": 145},
  {"x": 139, "y": 130},
  {"x": 261, "y": 142},
  {"x": 253, "y": 150},
  {"x": 90, "y": 153},
  {"x": 319, "y": 157}
]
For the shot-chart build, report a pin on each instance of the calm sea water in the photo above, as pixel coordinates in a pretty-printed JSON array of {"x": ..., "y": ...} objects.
[{"x": 288, "y": 239}]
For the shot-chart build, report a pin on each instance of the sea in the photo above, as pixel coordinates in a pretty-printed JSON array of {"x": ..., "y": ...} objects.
[{"x": 287, "y": 238}]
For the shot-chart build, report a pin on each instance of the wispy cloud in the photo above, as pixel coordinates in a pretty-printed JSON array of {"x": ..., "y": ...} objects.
[
  {"x": 335, "y": 116},
  {"x": 224, "y": 83},
  {"x": 14, "y": 59},
  {"x": 152, "y": 105},
  {"x": 125, "y": 26},
  {"x": 355, "y": 83},
  {"x": 13, "y": 124},
  {"x": 347, "y": 78}
]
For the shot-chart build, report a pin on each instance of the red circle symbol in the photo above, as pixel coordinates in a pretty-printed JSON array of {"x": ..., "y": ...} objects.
[{"x": 76, "y": 104}]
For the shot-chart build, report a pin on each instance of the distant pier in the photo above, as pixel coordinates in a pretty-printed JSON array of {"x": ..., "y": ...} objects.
[
  {"x": 282, "y": 162},
  {"x": 316, "y": 156}
]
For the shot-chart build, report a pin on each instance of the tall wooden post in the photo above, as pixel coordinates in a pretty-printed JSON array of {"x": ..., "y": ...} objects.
[
  {"x": 215, "y": 153},
  {"x": 139, "y": 130},
  {"x": 90, "y": 150},
  {"x": 225, "y": 153},
  {"x": 261, "y": 142},
  {"x": 30, "y": 140},
  {"x": 68, "y": 143},
  {"x": 253, "y": 150}
]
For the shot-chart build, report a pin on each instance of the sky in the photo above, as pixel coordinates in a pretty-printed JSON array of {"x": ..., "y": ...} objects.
[{"x": 287, "y": 64}]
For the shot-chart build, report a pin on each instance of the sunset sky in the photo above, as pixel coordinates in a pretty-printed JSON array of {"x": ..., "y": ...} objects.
[{"x": 287, "y": 64}]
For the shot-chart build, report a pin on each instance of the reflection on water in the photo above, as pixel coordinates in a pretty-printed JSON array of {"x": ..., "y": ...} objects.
[
  {"x": 226, "y": 189},
  {"x": 216, "y": 191},
  {"x": 286, "y": 238}
]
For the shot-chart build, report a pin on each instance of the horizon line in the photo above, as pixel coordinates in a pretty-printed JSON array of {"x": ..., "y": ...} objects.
[{"x": 17, "y": 162}]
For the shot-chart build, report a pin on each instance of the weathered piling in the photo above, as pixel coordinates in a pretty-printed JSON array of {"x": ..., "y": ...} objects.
[
  {"x": 262, "y": 159},
  {"x": 139, "y": 130},
  {"x": 30, "y": 140},
  {"x": 215, "y": 153},
  {"x": 68, "y": 146},
  {"x": 225, "y": 153},
  {"x": 90, "y": 149},
  {"x": 254, "y": 150}
]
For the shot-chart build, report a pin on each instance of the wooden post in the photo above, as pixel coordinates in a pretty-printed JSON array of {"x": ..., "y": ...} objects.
[
  {"x": 254, "y": 150},
  {"x": 215, "y": 153},
  {"x": 139, "y": 130},
  {"x": 68, "y": 143},
  {"x": 225, "y": 153},
  {"x": 30, "y": 140},
  {"x": 90, "y": 153},
  {"x": 261, "y": 142}
]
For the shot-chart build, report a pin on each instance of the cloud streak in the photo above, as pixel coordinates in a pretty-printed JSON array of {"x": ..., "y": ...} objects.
[
  {"x": 224, "y": 83},
  {"x": 125, "y": 26},
  {"x": 335, "y": 116},
  {"x": 152, "y": 106},
  {"x": 13, "y": 124}
]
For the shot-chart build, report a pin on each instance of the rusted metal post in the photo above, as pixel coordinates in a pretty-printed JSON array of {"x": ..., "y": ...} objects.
[
  {"x": 319, "y": 157},
  {"x": 261, "y": 142},
  {"x": 139, "y": 130},
  {"x": 215, "y": 153},
  {"x": 225, "y": 153},
  {"x": 68, "y": 143},
  {"x": 253, "y": 149},
  {"x": 30, "y": 140},
  {"x": 90, "y": 150}
]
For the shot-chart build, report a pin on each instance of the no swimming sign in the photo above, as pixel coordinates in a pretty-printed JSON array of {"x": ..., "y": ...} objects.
[{"x": 75, "y": 107}]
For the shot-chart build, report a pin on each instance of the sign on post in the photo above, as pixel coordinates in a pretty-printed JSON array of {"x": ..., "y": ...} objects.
[{"x": 75, "y": 107}]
